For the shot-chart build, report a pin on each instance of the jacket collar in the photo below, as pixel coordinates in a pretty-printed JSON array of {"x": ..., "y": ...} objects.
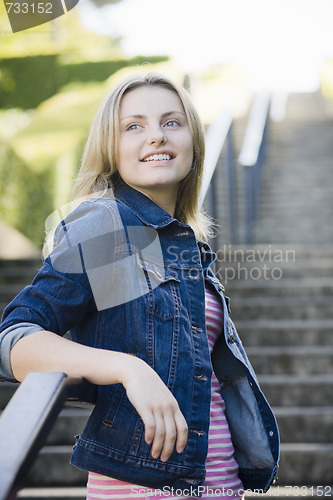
[{"x": 147, "y": 210}]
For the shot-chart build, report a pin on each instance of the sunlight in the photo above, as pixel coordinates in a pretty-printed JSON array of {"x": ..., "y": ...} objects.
[{"x": 281, "y": 44}]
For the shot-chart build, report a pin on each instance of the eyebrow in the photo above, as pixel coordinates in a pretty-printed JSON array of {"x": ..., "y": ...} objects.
[{"x": 164, "y": 115}]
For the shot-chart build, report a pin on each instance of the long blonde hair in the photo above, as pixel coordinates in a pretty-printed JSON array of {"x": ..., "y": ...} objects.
[{"x": 99, "y": 166}]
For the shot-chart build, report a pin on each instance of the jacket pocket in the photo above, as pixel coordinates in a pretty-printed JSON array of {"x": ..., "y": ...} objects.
[
  {"x": 115, "y": 400},
  {"x": 163, "y": 297}
]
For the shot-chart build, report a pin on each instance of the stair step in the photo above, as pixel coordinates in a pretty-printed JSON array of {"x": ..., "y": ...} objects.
[
  {"x": 299, "y": 390},
  {"x": 281, "y": 252},
  {"x": 297, "y": 459},
  {"x": 77, "y": 493},
  {"x": 9, "y": 290},
  {"x": 280, "y": 492},
  {"x": 284, "y": 287},
  {"x": 311, "y": 424},
  {"x": 24, "y": 264},
  {"x": 276, "y": 307},
  {"x": 262, "y": 332},
  {"x": 70, "y": 421},
  {"x": 52, "y": 468},
  {"x": 299, "y": 360},
  {"x": 306, "y": 235},
  {"x": 306, "y": 464}
]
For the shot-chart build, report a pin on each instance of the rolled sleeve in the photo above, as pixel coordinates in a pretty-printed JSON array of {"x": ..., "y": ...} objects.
[{"x": 8, "y": 339}]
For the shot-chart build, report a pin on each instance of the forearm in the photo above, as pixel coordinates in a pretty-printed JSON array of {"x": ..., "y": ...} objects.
[
  {"x": 164, "y": 423},
  {"x": 45, "y": 351}
]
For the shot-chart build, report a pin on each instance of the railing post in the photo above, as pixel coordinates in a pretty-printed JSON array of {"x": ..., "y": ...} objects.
[
  {"x": 251, "y": 158},
  {"x": 219, "y": 134},
  {"x": 248, "y": 204},
  {"x": 232, "y": 215}
]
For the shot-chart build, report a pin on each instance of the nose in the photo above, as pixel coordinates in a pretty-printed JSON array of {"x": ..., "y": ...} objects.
[{"x": 156, "y": 136}]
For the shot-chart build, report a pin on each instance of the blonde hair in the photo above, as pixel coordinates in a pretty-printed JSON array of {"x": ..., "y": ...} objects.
[{"x": 98, "y": 169}]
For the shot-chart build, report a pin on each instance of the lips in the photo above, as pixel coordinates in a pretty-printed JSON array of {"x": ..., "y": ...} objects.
[{"x": 158, "y": 156}]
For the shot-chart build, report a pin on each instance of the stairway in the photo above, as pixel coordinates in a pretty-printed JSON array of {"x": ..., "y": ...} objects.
[
  {"x": 297, "y": 197},
  {"x": 281, "y": 293}
]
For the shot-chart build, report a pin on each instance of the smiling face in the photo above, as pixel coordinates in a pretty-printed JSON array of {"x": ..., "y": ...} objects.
[{"x": 155, "y": 148}]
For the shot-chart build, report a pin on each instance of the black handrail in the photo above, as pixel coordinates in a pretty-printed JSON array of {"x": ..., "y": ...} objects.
[
  {"x": 24, "y": 425},
  {"x": 251, "y": 158}
]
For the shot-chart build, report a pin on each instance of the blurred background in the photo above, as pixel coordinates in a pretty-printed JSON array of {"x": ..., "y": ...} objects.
[
  {"x": 260, "y": 73},
  {"x": 52, "y": 77}
]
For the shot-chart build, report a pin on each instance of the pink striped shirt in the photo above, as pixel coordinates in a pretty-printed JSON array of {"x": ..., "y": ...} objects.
[{"x": 222, "y": 479}]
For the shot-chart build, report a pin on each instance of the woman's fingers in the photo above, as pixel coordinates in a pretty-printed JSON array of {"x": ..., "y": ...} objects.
[
  {"x": 149, "y": 423},
  {"x": 160, "y": 435},
  {"x": 164, "y": 423},
  {"x": 164, "y": 431},
  {"x": 170, "y": 437},
  {"x": 182, "y": 431}
]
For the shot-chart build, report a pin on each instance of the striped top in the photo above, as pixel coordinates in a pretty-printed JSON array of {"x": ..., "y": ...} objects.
[{"x": 221, "y": 468}]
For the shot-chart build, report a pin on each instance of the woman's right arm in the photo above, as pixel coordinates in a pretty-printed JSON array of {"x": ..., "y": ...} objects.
[
  {"x": 58, "y": 300},
  {"x": 164, "y": 423}
]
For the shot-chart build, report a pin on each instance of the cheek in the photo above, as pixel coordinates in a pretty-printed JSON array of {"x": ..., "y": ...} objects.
[{"x": 123, "y": 155}]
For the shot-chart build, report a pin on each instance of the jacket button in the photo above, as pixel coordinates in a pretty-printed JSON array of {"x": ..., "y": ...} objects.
[
  {"x": 158, "y": 273},
  {"x": 231, "y": 338},
  {"x": 201, "y": 377},
  {"x": 189, "y": 481},
  {"x": 198, "y": 433}
]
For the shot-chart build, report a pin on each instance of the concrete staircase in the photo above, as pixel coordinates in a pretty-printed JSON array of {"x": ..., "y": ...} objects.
[
  {"x": 281, "y": 293},
  {"x": 286, "y": 325}
]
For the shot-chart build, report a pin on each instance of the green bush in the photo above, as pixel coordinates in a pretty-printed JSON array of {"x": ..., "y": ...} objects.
[
  {"x": 26, "y": 197},
  {"x": 25, "y": 82},
  {"x": 101, "y": 70}
]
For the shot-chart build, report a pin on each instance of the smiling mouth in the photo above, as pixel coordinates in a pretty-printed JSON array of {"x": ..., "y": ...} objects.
[{"x": 159, "y": 157}]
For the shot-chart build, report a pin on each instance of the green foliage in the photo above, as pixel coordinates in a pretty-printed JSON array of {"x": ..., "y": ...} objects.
[
  {"x": 25, "y": 196},
  {"x": 99, "y": 71},
  {"x": 25, "y": 82}
]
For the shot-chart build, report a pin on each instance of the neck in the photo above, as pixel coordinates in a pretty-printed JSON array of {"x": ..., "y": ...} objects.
[{"x": 165, "y": 200}]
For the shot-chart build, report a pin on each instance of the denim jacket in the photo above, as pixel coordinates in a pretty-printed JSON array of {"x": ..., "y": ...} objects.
[{"x": 124, "y": 275}]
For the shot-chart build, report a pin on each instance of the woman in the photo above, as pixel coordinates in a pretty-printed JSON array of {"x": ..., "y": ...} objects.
[{"x": 129, "y": 276}]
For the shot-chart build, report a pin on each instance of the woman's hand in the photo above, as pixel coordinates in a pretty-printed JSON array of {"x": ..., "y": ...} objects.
[{"x": 164, "y": 423}]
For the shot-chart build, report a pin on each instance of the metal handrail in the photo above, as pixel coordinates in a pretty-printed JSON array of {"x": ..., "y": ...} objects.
[
  {"x": 24, "y": 425},
  {"x": 251, "y": 158},
  {"x": 218, "y": 134}
]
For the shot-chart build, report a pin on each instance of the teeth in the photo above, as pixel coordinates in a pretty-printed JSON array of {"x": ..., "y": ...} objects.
[{"x": 158, "y": 157}]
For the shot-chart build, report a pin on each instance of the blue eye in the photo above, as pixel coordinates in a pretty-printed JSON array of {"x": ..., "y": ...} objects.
[
  {"x": 172, "y": 123},
  {"x": 134, "y": 126}
]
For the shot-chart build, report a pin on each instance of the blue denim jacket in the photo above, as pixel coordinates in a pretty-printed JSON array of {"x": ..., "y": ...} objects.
[{"x": 124, "y": 275}]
